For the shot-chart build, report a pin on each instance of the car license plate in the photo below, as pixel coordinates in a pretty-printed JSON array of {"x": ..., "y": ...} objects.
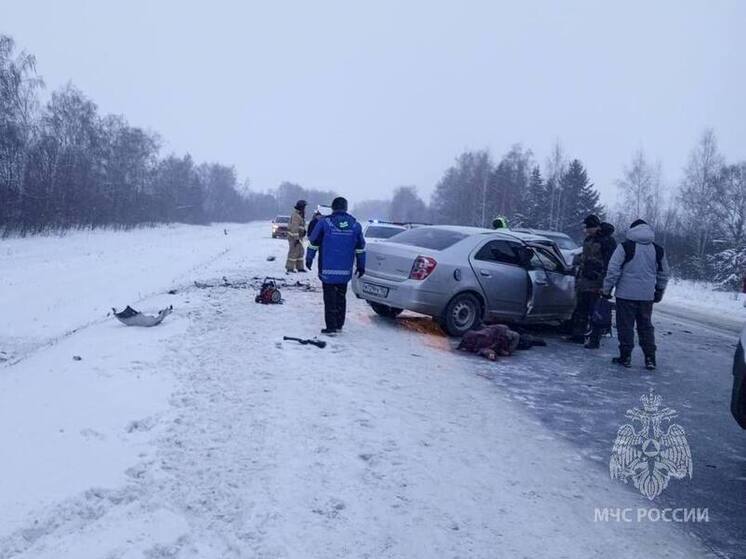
[{"x": 375, "y": 290}]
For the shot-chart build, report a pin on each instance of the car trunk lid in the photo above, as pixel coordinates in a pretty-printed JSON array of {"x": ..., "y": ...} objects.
[{"x": 391, "y": 261}]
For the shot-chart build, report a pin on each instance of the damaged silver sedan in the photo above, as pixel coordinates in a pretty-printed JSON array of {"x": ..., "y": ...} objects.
[{"x": 462, "y": 276}]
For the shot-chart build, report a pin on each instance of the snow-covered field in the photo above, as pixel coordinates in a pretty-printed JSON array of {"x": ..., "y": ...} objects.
[{"x": 209, "y": 436}]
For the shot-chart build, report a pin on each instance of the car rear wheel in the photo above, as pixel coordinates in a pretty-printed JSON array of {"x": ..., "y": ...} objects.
[
  {"x": 385, "y": 310},
  {"x": 463, "y": 313}
]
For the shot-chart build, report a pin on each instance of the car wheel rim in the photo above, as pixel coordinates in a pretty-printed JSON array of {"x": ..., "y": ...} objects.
[{"x": 463, "y": 314}]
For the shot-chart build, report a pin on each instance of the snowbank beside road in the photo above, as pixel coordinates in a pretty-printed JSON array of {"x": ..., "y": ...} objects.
[{"x": 701, "y": 302}]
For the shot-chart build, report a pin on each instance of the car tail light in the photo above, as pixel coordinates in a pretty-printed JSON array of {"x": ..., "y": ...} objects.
[{"x": 423, "y": 266}]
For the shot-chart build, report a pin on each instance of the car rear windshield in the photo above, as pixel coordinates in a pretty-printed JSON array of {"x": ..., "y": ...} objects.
[
  {"x": 429, "y": 237},
  {"x": 378, "y": 232},
  {"x": 282, "y": 219}
]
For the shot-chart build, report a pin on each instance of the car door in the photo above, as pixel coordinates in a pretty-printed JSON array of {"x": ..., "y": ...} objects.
[
  {"x": 497, "y": 266},
  {"x": 552, "y": 294}
]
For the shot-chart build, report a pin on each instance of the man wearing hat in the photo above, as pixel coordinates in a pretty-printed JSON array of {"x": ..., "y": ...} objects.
[
  {"x": 339, "y": 241},
  {"x": 598, "y": 246},
  {"x": 296, "y": 232}
]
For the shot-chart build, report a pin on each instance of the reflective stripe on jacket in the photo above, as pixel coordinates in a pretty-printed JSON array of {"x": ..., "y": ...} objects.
[{"x": 296, "y": 226}]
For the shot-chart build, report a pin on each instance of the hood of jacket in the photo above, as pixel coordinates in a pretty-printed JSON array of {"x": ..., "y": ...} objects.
[
  {"x": 607, "y": 230},
  {"x": 642, "y": 234}
]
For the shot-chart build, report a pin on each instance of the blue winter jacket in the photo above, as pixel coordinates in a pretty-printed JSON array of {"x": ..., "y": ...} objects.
[{"x": 339, "y": 240}]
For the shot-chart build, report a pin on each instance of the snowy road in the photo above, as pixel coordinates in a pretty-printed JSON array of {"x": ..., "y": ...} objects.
[{"x": 210, "y": 437}]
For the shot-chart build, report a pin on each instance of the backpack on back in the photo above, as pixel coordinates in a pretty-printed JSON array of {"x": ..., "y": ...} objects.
[{"x": 629, "y": 253}]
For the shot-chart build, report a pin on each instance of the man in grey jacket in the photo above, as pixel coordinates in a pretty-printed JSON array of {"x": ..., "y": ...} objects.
[{"x": 639, "y": 271}]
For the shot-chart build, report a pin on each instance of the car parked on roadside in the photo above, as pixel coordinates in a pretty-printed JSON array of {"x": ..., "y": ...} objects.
[
  {"x": 569, "y": 248},
  {"x": 376, "y": 231},
  {"x": 738, "y": 395},
  {"x": 463, "y": 275},
  {"x": 280, "y": 226}
]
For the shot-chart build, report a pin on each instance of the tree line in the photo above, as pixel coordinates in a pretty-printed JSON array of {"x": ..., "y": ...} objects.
[
  {"x": 62, "y": 164},
  {"x": 475, "y": 189},
  {"x": 701, "y": 220}
]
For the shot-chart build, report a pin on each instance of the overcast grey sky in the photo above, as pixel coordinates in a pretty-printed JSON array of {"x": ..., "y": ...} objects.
[{"x": 362, "y": 97}]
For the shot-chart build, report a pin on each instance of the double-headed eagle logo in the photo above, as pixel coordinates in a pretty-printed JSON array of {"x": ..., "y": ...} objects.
[{"x": 650, "y": 456}]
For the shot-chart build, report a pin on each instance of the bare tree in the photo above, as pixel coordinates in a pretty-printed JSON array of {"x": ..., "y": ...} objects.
[
  {"x": 640, "y": 189},
  {"x": 407, "y": 206},
  {"x": 698, "y": 194},
  {"x": 730, "y": 208},
  {"x": 555, "y": 169}
]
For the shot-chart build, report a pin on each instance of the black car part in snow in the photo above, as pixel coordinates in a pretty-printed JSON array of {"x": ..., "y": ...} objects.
[{"x": 318, "y": 343}]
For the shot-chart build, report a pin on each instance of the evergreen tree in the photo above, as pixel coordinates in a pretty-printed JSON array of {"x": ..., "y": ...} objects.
[
  {"x": 729, "y": 262},
  {"x": 536, "y": 201},
  {"x": 580, "y": 199},
  {"x": 508, "y": 186}
]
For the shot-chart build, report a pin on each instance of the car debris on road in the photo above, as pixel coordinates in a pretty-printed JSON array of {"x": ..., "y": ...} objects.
[
  {"x": 306, "y": 341},
  {"x": 131, "y": 317}
]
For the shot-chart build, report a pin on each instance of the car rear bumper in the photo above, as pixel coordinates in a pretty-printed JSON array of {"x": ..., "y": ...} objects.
[{"x": 407, "y": 294}]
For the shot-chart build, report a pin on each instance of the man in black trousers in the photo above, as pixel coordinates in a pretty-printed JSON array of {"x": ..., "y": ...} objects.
[{"x": 339, "y": 241}]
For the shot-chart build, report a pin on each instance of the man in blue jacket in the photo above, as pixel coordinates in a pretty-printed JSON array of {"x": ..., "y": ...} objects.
[{"x": 339, "y": 241}]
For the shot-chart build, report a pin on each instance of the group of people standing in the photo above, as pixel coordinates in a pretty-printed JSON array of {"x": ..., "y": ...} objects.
[
  {"x": 636, "y": 271},
  {"x": 338, "y": 241}
]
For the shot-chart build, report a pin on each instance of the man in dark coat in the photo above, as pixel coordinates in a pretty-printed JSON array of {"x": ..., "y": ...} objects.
[
  {"x": 314, "y": 221},
  {"x": 339, "y": 241},
  {"x": 598, "y": 246}
]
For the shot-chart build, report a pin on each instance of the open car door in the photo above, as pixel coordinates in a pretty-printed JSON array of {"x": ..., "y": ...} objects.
[{"x": 552, "y": 295}]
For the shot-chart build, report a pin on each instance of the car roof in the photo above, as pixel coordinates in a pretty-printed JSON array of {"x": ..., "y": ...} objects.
[
  {"x": 464, "y": 229},
  {"x": 543, "y": 232},
  {"x": 506, "y": 233},
  {"x": 389, "y": 225}
]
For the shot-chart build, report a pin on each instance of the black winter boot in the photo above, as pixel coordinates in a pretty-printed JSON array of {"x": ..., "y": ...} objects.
[
  {"x": 593, "y": 343},
  {"x": 650, "y": 362},
  {"x": 625, "y": 360}
]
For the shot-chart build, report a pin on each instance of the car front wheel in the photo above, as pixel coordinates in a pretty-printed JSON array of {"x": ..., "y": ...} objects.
[
  {"x": 385, "y": 310},
  {"x": 463, "y": 313}
]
